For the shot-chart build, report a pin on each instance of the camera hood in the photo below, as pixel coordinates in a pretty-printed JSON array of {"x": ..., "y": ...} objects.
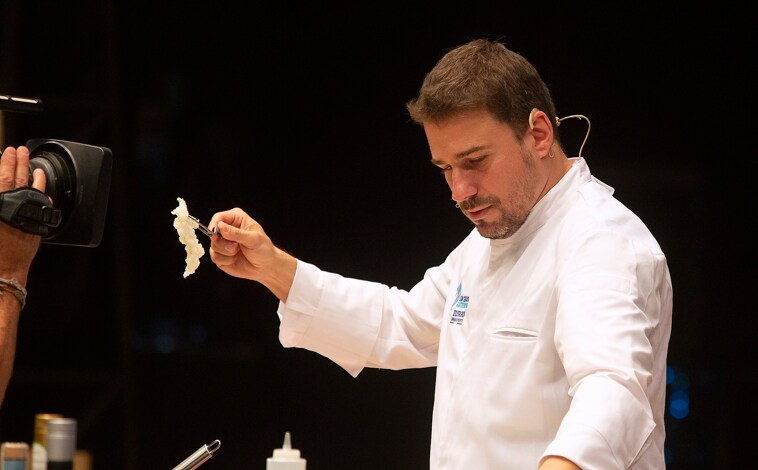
[{"x": 78, "y": 181}]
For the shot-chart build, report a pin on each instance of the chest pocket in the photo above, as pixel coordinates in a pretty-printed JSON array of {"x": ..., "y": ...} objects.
[{"x": 514, "y": 334}]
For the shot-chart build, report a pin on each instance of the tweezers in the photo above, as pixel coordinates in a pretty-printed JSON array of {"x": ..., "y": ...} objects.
[{"x": 204, "y": 228}]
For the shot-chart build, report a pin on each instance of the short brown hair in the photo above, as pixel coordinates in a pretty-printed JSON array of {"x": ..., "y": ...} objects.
[{"x": 483, "y": 74}]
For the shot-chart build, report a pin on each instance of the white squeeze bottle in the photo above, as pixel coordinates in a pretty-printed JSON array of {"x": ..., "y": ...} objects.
[{"x": 285, "y": 458}]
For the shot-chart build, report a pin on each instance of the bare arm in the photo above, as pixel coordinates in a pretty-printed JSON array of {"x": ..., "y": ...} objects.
[
  {"x": 17, "y": 250},
  {"x": 9, "y": 315}
]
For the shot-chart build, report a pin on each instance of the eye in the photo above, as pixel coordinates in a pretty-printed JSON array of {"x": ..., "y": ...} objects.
[{"x": 474, "y": 161}]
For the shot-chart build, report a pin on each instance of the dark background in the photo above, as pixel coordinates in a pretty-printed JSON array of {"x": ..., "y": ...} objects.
[{"x": 296, "y": 114}]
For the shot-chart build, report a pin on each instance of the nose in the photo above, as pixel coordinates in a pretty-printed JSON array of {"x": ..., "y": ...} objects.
[{"x": 462, "y": 186}]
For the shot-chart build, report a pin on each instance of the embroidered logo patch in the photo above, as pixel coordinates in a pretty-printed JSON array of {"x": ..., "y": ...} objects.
[{"x": 460, "y": 305}]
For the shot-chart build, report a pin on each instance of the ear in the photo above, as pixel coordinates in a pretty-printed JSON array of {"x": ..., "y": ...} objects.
[{"x": 541, "y": 130}]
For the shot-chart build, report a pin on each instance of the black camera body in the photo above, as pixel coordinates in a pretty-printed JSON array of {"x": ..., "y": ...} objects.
[{"x": 78, "y": 181}]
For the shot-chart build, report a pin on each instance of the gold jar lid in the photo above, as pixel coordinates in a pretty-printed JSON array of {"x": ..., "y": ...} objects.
[{"x": 40, "y": 425}]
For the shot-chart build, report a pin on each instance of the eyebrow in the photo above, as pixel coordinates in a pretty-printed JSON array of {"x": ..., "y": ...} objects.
[{"x": 460, "y": 155}]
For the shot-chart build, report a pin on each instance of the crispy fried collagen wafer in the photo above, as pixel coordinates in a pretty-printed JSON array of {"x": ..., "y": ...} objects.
[{"x": 185, "y": 226}]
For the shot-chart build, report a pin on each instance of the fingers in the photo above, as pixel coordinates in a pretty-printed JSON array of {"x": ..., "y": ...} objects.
[
  {"x": 40, "y": 180},
  {"x": 248, "y": 234},
  {"x": 220, "y": 259},
  {"x": 14, "y": 170},
  {"x": 8, "y": 169},
  {"x": 238, "y": 232},
  {"x": 22, "y": 167},
  {"x": 233, "y": 225},
  {"x": 224, "y": 247},
  {"x": 235, "y": 217}
]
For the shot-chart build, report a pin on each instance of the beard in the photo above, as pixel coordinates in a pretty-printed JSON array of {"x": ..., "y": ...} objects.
[{"x": 520, "y": 200}]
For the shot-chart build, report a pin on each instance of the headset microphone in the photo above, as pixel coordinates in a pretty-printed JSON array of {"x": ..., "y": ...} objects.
[
  {"x": 577, "y": 116},
  {"x": 558, "y": 123}
]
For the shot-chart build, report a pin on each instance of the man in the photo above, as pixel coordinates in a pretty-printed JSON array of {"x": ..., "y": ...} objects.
[
  {"x": 549, "y": 323},
  {"x": 17, "y": 250}
]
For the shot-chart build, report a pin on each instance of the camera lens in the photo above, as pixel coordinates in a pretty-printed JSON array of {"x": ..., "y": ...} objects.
[
  {"x": 61, "y": 182},
  {"x": 60, "y": 177}
]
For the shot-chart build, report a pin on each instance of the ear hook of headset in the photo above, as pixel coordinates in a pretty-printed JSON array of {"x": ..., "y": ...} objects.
[{"x": 577, "y": 116}]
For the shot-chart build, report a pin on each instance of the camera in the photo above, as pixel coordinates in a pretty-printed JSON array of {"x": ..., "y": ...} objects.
[{"x": 78, "y": 180}]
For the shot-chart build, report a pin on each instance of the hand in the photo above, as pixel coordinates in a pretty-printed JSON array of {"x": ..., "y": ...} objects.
[
  {"x": 244, "y": 250},
  {"x": 17, "y": 248}
]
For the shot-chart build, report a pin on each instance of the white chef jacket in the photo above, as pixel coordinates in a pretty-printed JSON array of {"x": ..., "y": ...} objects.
[{"x": 550, "y": 342}]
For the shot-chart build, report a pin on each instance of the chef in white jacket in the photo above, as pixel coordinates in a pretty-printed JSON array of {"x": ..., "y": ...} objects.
[{"x": 548, "y": 324}]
